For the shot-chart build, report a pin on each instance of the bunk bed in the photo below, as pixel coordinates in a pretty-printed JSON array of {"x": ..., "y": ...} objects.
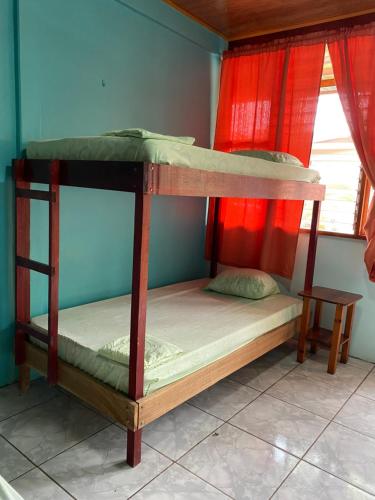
[{"x": 133, "y": 408}]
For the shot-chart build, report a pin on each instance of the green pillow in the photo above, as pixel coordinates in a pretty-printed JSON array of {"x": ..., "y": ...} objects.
[
  {"x": 141, "y": 133},
  {"x": 275, "y": 156},
  {"x": 243, "y": 282},
  {"x": 157, "y": 351}
]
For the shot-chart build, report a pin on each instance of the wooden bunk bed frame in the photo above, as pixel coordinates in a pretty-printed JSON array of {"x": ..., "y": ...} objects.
[{"x": 145, "y": 180}]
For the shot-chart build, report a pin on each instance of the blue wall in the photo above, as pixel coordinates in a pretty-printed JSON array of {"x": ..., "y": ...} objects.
[
  {"x": 7, "y": 152},
  {"x": 87, "y": 66}
]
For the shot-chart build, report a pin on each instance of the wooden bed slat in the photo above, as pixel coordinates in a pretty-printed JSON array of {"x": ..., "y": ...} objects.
[
  {"x": 33, "y": 330},
  {"x": 160, "y": 402},
  {"x": 40, "y": 267},
  {"x": 34, "y": 194}
]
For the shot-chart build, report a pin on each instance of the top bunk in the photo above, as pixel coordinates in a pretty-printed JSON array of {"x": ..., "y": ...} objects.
[{"x": 161, "y": 167}]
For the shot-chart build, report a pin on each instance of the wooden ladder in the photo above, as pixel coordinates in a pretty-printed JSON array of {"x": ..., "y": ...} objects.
[{"x": 24, "y": 264}]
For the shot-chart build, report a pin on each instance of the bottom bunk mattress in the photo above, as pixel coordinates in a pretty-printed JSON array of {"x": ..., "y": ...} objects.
[{"x": 197, "y": 327}]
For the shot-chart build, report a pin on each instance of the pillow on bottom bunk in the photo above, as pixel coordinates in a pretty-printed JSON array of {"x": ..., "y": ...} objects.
[
  {"x": 244, "y": 282},
  {"x": 157, "y": 352}
]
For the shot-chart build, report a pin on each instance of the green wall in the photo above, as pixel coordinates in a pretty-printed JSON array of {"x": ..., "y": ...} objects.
[{"x": 87, "y": 66}]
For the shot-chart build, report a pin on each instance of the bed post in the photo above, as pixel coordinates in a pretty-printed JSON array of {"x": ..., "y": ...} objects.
[
  {"x": 53, "y": 277},
  {"x": 215, "y": 238},
  {"x": 138, "y": 315},
  {"x": 22, "y": 248},
  {"x": 313, "y": 241}
]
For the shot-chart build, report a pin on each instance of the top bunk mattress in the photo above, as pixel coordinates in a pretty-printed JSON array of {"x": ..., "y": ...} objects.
[
  {"x": 203, "y": 325},
  {"x": 109, "y": 148}
]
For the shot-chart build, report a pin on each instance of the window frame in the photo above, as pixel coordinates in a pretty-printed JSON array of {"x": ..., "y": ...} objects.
[{"x": 363, "y": 191}]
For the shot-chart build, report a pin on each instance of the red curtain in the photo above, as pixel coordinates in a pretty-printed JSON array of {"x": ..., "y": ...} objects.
[
  {"x": 353, "y": 61},
  {"x": 268, "y": 99}
]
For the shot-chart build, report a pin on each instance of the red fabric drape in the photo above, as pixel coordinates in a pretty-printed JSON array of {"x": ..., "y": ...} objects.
[
  {"x": 353, "y": 61},
  {"x": 268, "y": 101}
]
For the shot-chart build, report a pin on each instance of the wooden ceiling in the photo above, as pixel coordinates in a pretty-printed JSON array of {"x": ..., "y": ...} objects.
[{"x": 237, "y": 19}]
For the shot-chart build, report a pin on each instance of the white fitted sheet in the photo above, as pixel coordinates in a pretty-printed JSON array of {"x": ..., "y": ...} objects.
[
  {"x": 205, "y": 325},
  {"x": 109, "y": 148}
]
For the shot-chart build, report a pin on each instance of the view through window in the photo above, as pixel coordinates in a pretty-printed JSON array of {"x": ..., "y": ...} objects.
[{"x": 335, "y": 157}]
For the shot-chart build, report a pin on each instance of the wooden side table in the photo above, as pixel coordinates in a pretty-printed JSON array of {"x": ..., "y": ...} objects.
[{"x": 317, "y": 335}]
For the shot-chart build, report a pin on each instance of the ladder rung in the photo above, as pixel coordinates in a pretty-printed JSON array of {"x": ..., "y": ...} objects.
[
  {"x": 35, "y": 194},
  {"x": 33, "y": 330},
  {"x": 34, "y": 265}
]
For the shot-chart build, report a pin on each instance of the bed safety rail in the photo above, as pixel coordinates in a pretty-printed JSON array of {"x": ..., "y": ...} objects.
[{"x": 24, "y": 265}]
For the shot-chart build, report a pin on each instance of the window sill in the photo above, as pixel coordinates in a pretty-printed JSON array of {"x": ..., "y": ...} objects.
[{"x": 337, "y": 235}]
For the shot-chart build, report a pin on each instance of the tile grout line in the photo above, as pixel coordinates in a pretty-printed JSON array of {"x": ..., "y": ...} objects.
[
  {"x": 177, "y": 462},
  {"x": 144, "y": 486},
  {"x": 220, "y": 426},
  {"x": 75, "y": 444},
  {"x": 330, "y": 421},
  {"x": 37, "y": 468},
  {"x": 28, "y": 408},
  {"x": 339, "y": 478}
]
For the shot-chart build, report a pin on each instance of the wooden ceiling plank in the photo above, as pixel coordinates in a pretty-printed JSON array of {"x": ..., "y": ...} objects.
[
  {"x": 238, "y": 19},
  {"x": 290, "y": 27},
  {"x": 195, "y": 18}
]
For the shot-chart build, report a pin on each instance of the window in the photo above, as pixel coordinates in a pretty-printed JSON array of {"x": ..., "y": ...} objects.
[{"x": 334, "y": 156}]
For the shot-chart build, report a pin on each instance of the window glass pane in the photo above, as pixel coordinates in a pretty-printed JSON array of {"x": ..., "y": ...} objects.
[{"x": 334, "y": 156}]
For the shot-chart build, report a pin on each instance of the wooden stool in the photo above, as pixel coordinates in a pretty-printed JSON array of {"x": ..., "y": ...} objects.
[{"x": 318, "y": 335}]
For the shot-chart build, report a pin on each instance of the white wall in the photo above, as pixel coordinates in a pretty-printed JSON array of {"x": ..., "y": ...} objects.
[{"x": 340, "y": 265}]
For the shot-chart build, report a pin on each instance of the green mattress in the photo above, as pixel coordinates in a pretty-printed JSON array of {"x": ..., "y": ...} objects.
[
  {"x": 203, "y": 325},
  {"x": 110, "y": 148}
]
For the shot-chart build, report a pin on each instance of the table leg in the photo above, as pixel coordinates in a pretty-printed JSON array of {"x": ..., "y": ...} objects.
[
  {"x": 304, "y": 329},
  {"x": 317, "y": 315},
  {"x": 347, "y": 333},
  {"x": 335, "y": 342}
]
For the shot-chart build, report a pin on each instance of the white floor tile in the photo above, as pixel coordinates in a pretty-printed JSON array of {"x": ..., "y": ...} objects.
[
  {"x": 346, "y": 454},
  {"x": 313, "y": 395},
  {"x": 238, "y": 464},
  {"x": 96, "y": 468},
  {"x": 12, "y": 462},
  {"x": 224, "y": 399},
  {"x": 309, "y": 483},
  {"x": 12, "y": 401},
  {"x": 284, "y": 425},
  {"x": 176, "y": 483},
  {"x": 42, "y": 432},
  {"x": 265, "y": 371},
  {"x": 347, "y": 376},
  {"x": 179, "y": 430},
  {"x": 37, "y": 486},
  {"x": 358, "y": 414},
  {"x": 367, "y": 388}
]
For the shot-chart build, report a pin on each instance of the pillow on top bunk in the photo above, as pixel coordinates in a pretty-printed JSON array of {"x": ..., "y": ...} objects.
[
  {"x": 244, "y": 282},
  {"x": 275, "y": 156},
  {"x": 141, "y": 133},
  {"x": 157, "y": 351}
]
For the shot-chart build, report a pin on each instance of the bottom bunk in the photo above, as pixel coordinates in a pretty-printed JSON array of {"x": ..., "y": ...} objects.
[{"x": 207, "y": 336}]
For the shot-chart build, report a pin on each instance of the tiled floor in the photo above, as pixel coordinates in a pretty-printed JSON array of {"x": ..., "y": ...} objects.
[{"x": 274, "y": 429}]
